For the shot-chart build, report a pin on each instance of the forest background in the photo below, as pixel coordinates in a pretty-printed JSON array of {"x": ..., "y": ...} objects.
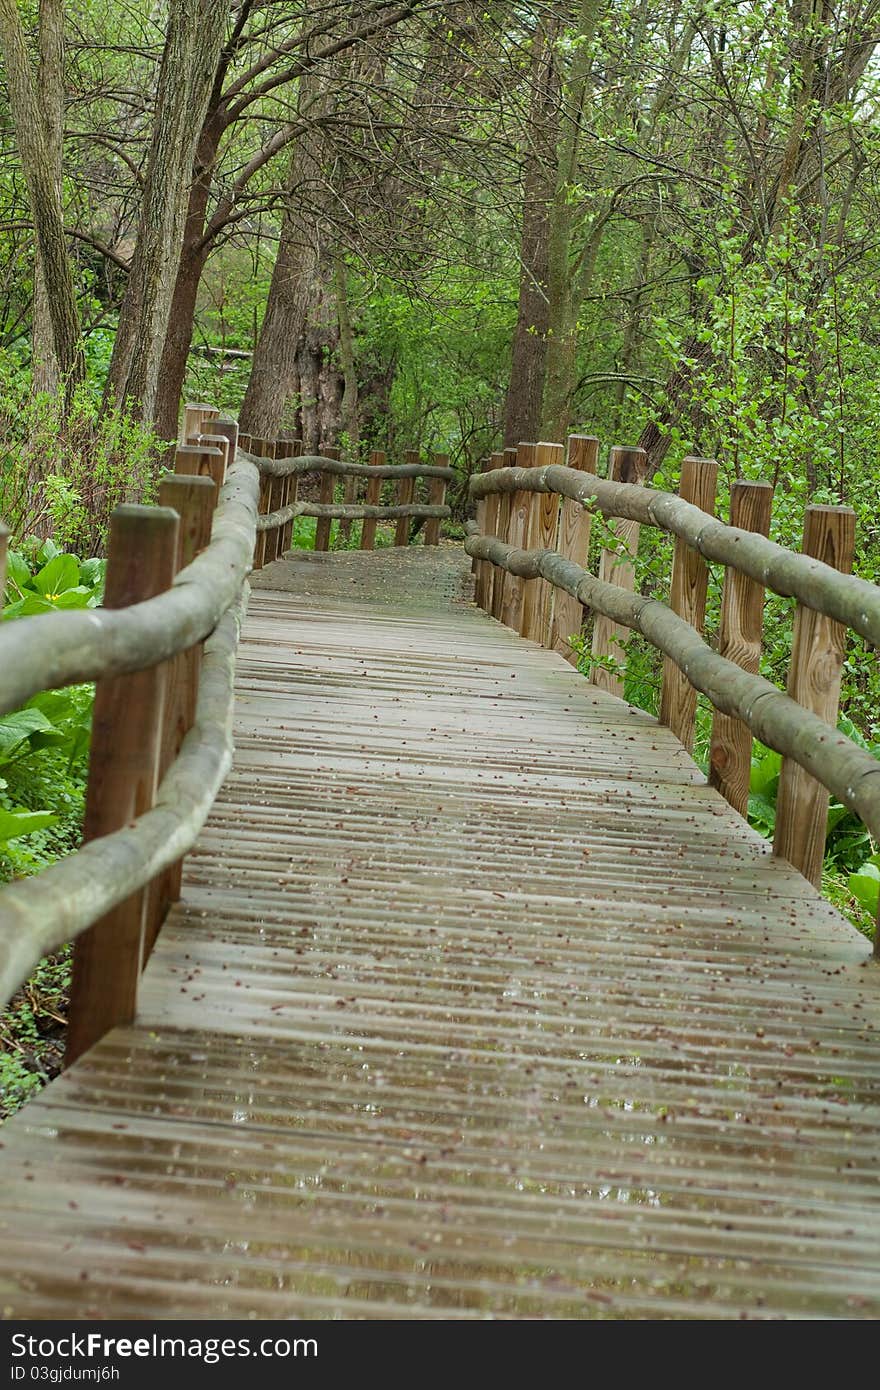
[{"x": 446, "y": 226}]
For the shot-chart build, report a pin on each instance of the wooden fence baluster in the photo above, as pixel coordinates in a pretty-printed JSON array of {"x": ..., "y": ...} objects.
[
  {"x": 225, "y": 434},
  {"x": 201, "y": 460},
  {"x": 814, "y": 681},
  {"x": 625, "y": 465},
  {"x": 263, "y": 448},
  {"x": 739, "y": 640},
  {"x": 292, "y": 450},
  {"x": 194, "y": 500},
  {"x": 480, "y": 519},
  {"x": 502, "y": 530},
  {"x": 246, "y": 443},
  {"x": 123, "y": 768},
  {"x": 373, "y": 498},
  {"x": 543, "y": 525},
  {"x": 575, "y": 522},
  {"x": 436, "y": 498},
  {"x": 326, "y": 496},
  {"x": 687, "y": 597},
  {"x": 487, "y": 520},
  {"x": 517, "y": 530},
  {"x": 406, "y": 491}
]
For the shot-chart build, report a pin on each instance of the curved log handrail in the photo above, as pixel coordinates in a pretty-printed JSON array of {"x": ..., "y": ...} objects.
[
  {"x": 83, "y": 645},
  {"x": 851, "y": 773},
  {"x": 317, "y": 463},
  {"x": 40, "y": 914},
  {"x": 354, "y": 511},
  {"x": 849, "y": 600}
]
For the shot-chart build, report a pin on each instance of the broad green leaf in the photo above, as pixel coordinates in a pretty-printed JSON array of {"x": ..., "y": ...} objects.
[
  {"x": 59, "y": 574},
  {"x": 17, "y": 570},
  {"x": 16, "y": 728},
  {"x": 28, "y": 607},
  {"x": 865, "y": 887},
  {"x": 47, "y": 551},
  {"x": 15, "y": 823}
]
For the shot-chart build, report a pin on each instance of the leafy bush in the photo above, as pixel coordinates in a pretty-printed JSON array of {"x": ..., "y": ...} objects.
[{"x": 64, "y": 474}]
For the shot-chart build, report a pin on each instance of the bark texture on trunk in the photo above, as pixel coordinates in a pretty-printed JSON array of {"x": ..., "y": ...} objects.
[
  {"x": 50, "y": 96},
  {"x": 186, "y": 77},
  {"x": 44, "y": 195}
]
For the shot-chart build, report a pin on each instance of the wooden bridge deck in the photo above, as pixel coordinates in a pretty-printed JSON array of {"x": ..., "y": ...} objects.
[{"x": 478, "y": 1003}]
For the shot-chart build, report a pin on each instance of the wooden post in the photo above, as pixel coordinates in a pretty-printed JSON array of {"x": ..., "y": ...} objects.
[
  {"x": 502, "y": 531},
  {"x": 326, "y": 494},
  {"x": 436, "y": 498},
  {"x": 688, "y": 588},
  {"x": 739, "y": 640},
  {"x": 245, "y": 442},
  {"x": 406, "y": 491},
  {"x": 123, "y": 768},
  {"x": 201, "y": 460},
  {"x": 263, "y": 448},
  {"x": 575, "y": 523},
  {"x": 814, "y": 681},
  {"x": 4, "y": 542},
  {"x": 517, "y": 530},
  {"x": 373, "y": 498},
  {"x": 225, "y": 432},
  {"x": 543, "y": 525},
  {"x": 625, "y": 465},
  {"x": 194, "y": 500},
  {"x": 487, "y": 519},
  {"x": 292, "y": 450}
]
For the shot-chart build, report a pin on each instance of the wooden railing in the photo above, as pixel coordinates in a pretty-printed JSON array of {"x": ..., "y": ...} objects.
[
  {"x": 530, "y": 545},
  {"x": 162, "y": 654},
  {"x": 282, "y": 463}
]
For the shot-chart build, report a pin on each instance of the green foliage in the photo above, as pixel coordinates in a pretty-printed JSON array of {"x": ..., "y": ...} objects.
[
  {"x": 41, "y": 578},
  {"x": 66, "y": 473}
]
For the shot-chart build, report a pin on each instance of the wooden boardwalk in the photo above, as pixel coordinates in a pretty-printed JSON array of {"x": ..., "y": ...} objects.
[{"x": 478, "y": 1003}]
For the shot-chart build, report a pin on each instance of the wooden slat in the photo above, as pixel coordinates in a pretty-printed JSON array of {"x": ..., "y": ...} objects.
[
  {"x": 575, "y": 523},
  {"x": 814, "y": 681},
  {"x": 687, "y": 597},
  {"x": 487, "y": 520},
  {"x": 625, "y": 465},
  {"x": 406, "y": 491},
  {"x": 502, "y": 529},
  {"x": 291, "y": 448},
  {"x": 519, "y": 510},
  {"x": 328, "y": 484},
  {"x": 739, "y": 639},
  {"x": 436, "y": 498},
  {"x": 373, "y": 498}
]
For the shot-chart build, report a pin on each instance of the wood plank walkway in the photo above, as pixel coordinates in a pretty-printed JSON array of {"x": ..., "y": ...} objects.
[{"x": 478, "y": 1003}]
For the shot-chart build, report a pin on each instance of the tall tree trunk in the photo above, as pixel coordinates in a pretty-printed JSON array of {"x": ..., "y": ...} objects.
[
  {"x": 351, "y": 425},
  {"x": 522, "y": 409},
  {"x": 50, "y": 95},
  {"x": 44, "y": 196},
  {"x": 568, "y": 276},
  {"x": 276, "y": 363},
  {"x": 194, "y": 254},
  {"x": 186, "y": 76}
]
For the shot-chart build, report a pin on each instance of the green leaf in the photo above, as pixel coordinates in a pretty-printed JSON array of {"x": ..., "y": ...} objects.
[
  {"x": 765, "y": 773},
  {"x": 865, "y": 887},
  {"x": 17, "y": 728},
  {"x": 17, "y": 570},
  {"x": 61, "y": 573},
  {"x": 15, "y": 823},
  {"x": 47, "y": 551}
]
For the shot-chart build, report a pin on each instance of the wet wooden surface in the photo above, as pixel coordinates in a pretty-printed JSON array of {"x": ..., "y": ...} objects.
[{"x": 478, "y": 1003}]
